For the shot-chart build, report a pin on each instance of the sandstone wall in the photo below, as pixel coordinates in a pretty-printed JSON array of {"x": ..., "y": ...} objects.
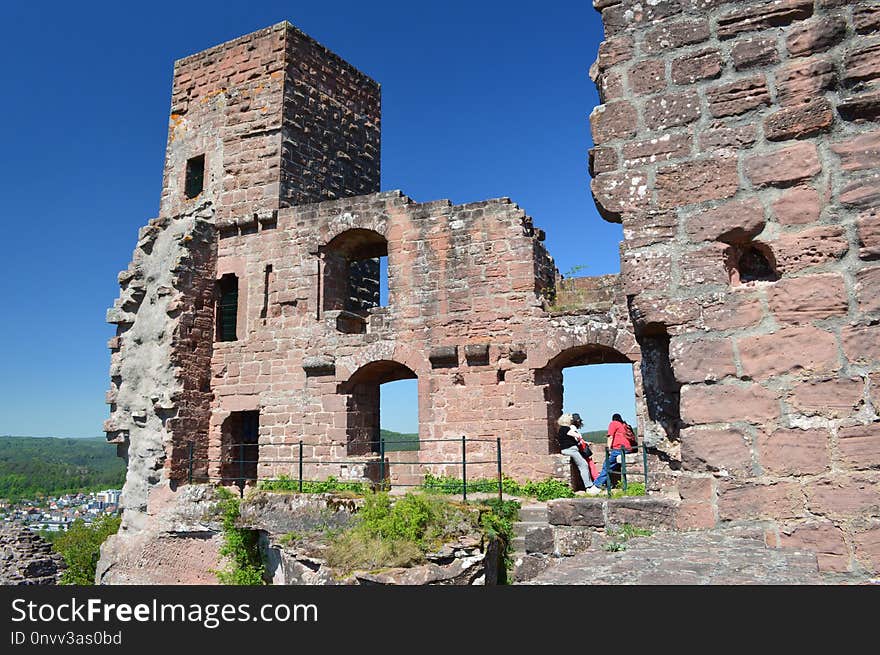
[
  {"x": 738, "y": 144},
  {"x": 463, "y": 317}
]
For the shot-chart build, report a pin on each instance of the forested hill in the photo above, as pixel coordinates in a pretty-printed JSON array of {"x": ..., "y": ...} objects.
[{"x": 31, "y": 466}]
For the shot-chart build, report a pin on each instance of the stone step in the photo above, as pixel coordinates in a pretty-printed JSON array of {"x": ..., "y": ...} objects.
[
  {"x": 686, "y": 558},
  {"x": 520, "y": 529},
  {"x": 518, "y": 544},
  {"x": 533, "y": 513}
]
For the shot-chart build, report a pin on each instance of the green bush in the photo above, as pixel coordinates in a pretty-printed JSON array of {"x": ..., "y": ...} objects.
[
  {"x": 399, "y": 532},
  {"x": 80, "y": 547},
  {"x": 244, "y": 564}
]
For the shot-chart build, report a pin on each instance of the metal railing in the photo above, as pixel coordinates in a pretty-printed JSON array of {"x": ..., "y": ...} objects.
[
  {"x": 609, "y": 466},
  {"x": 244, "y": 461}
]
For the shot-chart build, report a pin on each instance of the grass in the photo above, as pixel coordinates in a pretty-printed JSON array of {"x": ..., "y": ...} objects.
[
  {"x": 331, "y": 484},
  {"x": 622, "y": 534},
  {"x": 541, "y": 490}
]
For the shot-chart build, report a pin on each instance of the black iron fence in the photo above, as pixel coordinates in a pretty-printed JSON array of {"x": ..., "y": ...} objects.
[{"x": 240, "y": 463}]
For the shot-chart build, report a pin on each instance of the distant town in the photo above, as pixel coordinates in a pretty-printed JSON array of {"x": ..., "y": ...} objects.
[{"x": 57, "y": 513}]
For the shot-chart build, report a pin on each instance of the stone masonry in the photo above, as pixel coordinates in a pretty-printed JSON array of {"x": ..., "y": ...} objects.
[
  {"x": 253, "y": 300},
  {"x": 738, "y": 144}
]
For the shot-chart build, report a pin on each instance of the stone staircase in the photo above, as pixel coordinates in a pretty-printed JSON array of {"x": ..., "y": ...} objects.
[{"x": 578, "y": 541}]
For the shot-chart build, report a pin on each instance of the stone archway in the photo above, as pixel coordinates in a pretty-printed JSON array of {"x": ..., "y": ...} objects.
[{"x": 361, "y": 391}]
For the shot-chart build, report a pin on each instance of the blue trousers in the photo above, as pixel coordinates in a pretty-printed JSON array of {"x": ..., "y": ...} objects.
[{"x": 610, "y": 465}]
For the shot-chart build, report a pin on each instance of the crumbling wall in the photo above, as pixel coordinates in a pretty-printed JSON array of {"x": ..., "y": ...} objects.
[
  {"x": 159, "y": 394},
  {"x": 27, "y": 559},
  {"x": 737, "y": 143}
]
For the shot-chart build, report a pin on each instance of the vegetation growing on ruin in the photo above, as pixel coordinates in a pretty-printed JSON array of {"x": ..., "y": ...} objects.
[
  {"x": 541, "y": 490},
  {"x": 564, "y": 296},
  {"x": 620, "y": 535},
  {"x": 244, "y": 565},
  {"x": 80, "y": 547},
  {"x": 399, "y": 532},
  {"x": 331, "y": 484}
]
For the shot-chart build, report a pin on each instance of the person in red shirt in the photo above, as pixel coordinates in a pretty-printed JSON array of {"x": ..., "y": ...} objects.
[{"x": 619, "y": 443}]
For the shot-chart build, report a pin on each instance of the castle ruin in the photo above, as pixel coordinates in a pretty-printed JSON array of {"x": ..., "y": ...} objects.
[{"x": 737, "y": 144}]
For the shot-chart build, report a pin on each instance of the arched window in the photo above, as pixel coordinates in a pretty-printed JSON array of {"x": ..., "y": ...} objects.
[{"x": 363, "y": 405}]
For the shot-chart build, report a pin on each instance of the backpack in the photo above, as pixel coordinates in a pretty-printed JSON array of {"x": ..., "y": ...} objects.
[{"x": 630, "y": 435}]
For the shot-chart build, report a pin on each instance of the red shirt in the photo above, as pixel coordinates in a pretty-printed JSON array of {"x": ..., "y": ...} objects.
[{"x": 617, "y": 432}]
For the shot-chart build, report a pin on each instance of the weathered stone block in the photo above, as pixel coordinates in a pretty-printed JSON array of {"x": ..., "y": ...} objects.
[
  {"x": 867, "y": 545},
  {"x": 526, "y": 567},
  {"x": 802, "y": 80},
  {"x": 663, "y": 148},
  {"x": 540, "y": 540},
  {"x": 861, "y": 152},
  {"x": 694, "y": 515},
  {"x": 616, "y": 193},
  {"x": 711, "y": 178},
  {"x": 797, "y": 206},
  {"x": 794, "y": 452},
  {"x": 862, "y": 63},
  {"x": 782, "y": 500},
  {"x": 576, "y": 511},
  {"x": 671, "y": 110},
  {"x": 647, "y": 77},
  {"x": 817, "y": 353},
  {"x": 859, "y": 106},
  {"x": 732, "y": 222},
  {"x": 603, "y": 160},
  {"x": 852, "y": 495},
  {"x": 615, "y": 50},
  {"x": 443, "y": 356},
  {"x": 784, "y": 167},
  {"x": 571, "y": 540},
  {"x": 669, "y": 36},
  {"x": 642, "y": 512},
  {"x": 823, "y": 538},
  {"x": 805, "y": 299},
  {"x": 799, "y": 121},
  {"x": 613, "y": 120},
  {"x": 861, "y": 343},
  {"x": 738, "y": 97},
  {"x": 754, "y": 51},
  {"x": 734, "y": 311},
  {"x": 868, "y": 289},
  {"x": 723, "y": 451},
  {"x": 724, "y": 136},
  {"x": 795, "y": 251},
  {"x": 815, "y": 35},
  {"x": 833, "y": 398},
  {"x": 704, "y": 65},
  {"x": 696, "y": 489},
  {"x": 708, "y": 265},
  {"x": 701, "y": 360},
  {"x": 859, "y": 446},
  {"x": 724, "y": 403},
  {"x": 770, "y": 13},
  {"x": 866, "y": 18}
]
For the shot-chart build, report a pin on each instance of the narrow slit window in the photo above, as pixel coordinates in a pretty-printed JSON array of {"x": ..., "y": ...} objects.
[
  {"x": 227, "y": 310},
  {"x": 195, "y": 176}
]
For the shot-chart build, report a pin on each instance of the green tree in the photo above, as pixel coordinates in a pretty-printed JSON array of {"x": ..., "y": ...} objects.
[{"x": 80, "y": 547}]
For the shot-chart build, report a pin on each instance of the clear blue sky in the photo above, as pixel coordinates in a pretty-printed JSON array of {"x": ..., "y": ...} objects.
[{"x": 480, "y": 100}]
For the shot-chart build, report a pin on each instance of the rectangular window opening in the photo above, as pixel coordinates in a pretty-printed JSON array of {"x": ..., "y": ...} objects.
[
  {"x": 195, "y": 176},
  {"x": 227, "y": 309}
]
